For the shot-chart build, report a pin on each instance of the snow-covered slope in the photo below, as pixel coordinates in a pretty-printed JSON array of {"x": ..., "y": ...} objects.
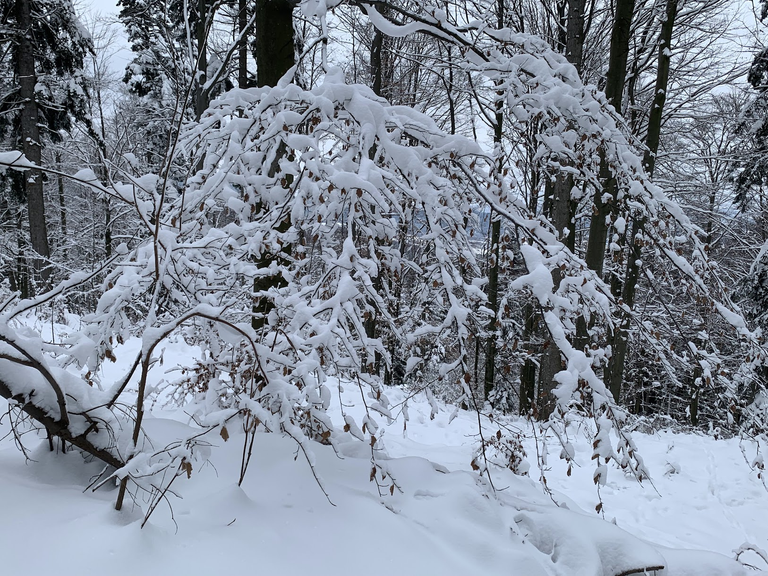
[{"x": 444, "y": 519}]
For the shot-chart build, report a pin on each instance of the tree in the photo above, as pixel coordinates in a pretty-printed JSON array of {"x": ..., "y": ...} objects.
[
  {"x": 560, "y": 207},
  {"x": 628, "y": 289},
  {"x": 43, "y": 46},
  {"x": 361, "y": 191},
  {"x": 752, "y": 171}
]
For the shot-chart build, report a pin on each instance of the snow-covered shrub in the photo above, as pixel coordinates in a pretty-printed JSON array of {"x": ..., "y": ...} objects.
[{"x": 326, "y": 233}]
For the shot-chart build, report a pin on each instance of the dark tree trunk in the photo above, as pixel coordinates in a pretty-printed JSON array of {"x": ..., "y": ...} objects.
[
  {"x": 275, "y": 55},
  {"x": 614, "y": 89},
  {"x": 242, "y": 50},
  {"x": 561, "y": 210},
  {"x": 274, "y": 45},
  {"x": 617, "y": 363},
  {"x": 377, "y": 44},
  {"x": 201, "y": 94},
  {"x": 574, "y": 42},
  {"x": 493, "y": 303},
  {"x": 62, "y": 209},
  {"x": 30, "y": 142},
  {"x": 489, "y": 377},
  {"x": 22, "y": 266}
]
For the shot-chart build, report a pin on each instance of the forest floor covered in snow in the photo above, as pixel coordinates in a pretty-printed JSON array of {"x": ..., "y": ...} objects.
[{"x": 704, "y": 502}]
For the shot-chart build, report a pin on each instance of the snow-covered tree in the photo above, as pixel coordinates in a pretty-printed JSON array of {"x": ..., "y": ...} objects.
[
  {"x": 347, "y": 196},
  {"x": 43, "y": 47}
]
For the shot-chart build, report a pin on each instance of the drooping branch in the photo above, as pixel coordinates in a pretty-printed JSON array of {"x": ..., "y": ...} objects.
[
  {"x": 56, "y": 427},
  {"x": 31, "y": 362}
]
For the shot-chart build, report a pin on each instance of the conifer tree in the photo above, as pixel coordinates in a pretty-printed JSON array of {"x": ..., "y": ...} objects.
[{"x": 42, "y": 50}]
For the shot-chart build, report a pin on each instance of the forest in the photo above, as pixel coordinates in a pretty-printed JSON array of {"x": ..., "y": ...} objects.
[{"x": 287, "y": 221}]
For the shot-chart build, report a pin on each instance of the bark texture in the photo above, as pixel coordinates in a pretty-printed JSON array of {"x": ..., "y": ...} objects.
[{"x": 30, "y": 141}]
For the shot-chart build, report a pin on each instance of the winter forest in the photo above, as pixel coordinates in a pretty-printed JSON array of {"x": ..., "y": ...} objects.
[{"x": 459, "y": 287}]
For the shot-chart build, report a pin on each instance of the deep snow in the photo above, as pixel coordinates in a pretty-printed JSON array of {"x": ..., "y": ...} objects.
[{"x": 446, "y": 521}]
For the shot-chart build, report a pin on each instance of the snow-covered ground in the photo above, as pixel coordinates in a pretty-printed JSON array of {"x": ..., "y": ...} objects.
[{"x": 446, "y": 520}]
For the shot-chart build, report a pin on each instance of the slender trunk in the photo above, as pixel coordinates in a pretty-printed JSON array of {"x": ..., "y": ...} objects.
[
  {"x": 376, "y": 64},
  {"x": 561, "y": 210},
  {"x": 201, "y": 94},
  {"x": 617, "y": 362},
  {"x": 107, "y": 229},
  {"x": 242, "y": 50},
  {"x": 31, "y": 144},
  {"x": 22, "y": 269},
  {"x": 711, "y": 216},
  {"x": 614, "y": 89},
  {"x": 449, "y": 89},
  {"x": 62, "y": 209},
  {"x": 100, "y": 163},
  {"x": 528, "y": 372},
  {"x": 495, "y": 224},
  {"x": 274, "y": 51},
  {"x": 493, "y": 304},
  {"x": 574, "y": 42}
]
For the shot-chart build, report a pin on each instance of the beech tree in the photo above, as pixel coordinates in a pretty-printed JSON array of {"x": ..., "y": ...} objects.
[{"x": 299, "y": 204}]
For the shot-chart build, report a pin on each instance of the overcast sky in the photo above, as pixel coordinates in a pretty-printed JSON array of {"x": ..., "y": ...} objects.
[
  {"x": 106, "y": 11},
  {"x": 743, "y": 41}
]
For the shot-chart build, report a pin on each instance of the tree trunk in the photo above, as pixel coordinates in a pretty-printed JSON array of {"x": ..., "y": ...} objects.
[
  {"x": 493, "y": 303},
  {"x": 22, "y": 266},
  {"x": 242, "y": 50},
  {"x": 614, "y": 89},
  {"x": 274, "y": 45},
  {"x": 561, "y": 210},
  {"x": 528, "y": 371},
  {"x": 30, "y": 143},
  {"x": 574, "y": 42},
  {"x": 617, "y": 362},
  {"x": 489, "y": 376},
  {"x": 274, "y": 50},
  {"x": 201, "y": 94},
  {"x": 377, "y": 45},
  {"x": 62, "y": 209}
]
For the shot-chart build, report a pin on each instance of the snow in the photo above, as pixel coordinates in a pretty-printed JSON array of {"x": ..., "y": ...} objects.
[{"x": 705, "y": 502}]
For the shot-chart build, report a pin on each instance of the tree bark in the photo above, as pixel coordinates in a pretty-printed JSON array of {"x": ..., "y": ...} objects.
[
  {"x": 614, "y": 89},
  {"x": 561, "y": 210},
  {"x": 489, "y": 375},
  {"x": 30, "y": 142},
  {"x": 62, "y": 209},
  {"x": 617, "y": 362},
  {"x": 377, "y": 44},
  {"x": 201, "y": 94},
  {"x": 242, "y": 50},
  {"x": 274, "y": 45},
  {"x": 275, "y": 55}
]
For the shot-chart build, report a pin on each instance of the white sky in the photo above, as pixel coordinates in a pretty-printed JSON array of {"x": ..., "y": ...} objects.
[
  {"x": 746, "y": 35},
  {"x": 106, "y": 11}
]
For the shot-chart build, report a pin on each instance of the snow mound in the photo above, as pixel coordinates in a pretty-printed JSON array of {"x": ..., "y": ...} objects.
[{"x": 426, "y": 513}]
